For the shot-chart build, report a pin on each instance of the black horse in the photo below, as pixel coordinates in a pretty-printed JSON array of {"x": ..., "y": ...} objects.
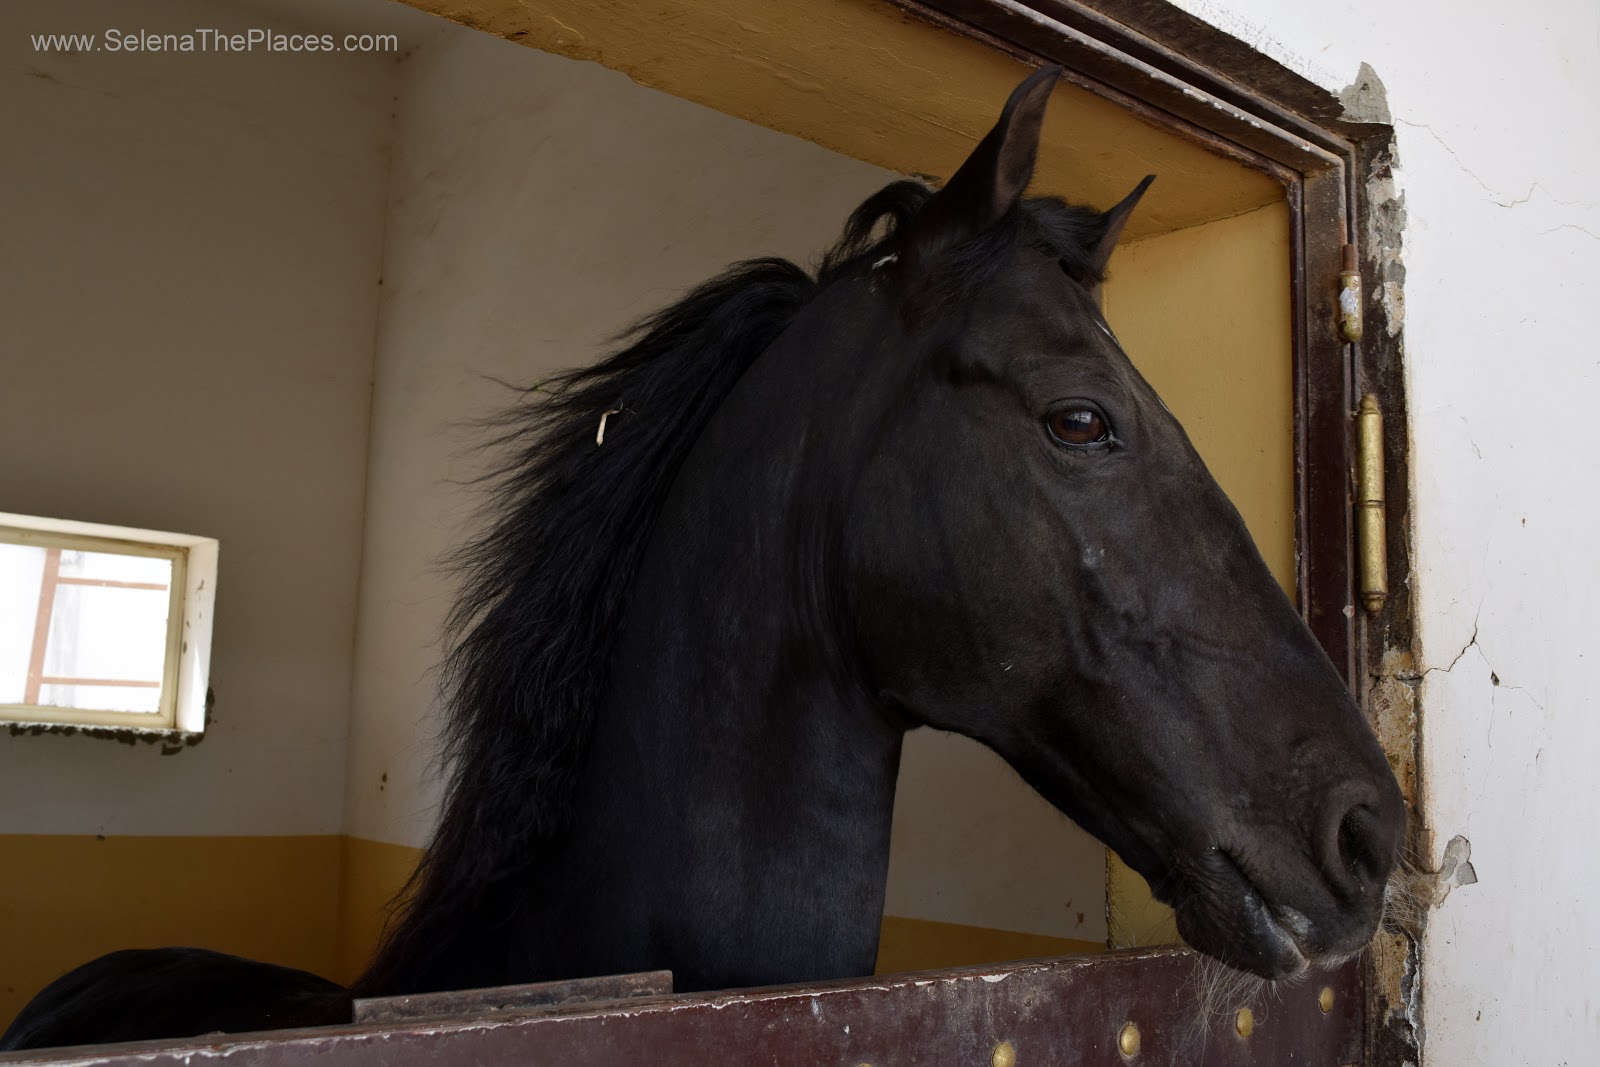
[{"x": 797, "y": 516}]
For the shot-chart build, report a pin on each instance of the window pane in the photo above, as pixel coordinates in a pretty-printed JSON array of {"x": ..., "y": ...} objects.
[
  {"x": 102, "y": 618},
  {"x": 106, "y": 565},
  {"x": 100, "y": 697}
]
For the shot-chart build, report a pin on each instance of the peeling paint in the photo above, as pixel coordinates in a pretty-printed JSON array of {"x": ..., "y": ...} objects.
[
  {"x": 1392, "y": 708},
  {"x": 1386, "y": 221},
  {"x": 1454, "y": 870},
  {"x": 1366, "y": 99},
  {"x": 1394, "y": 995}
]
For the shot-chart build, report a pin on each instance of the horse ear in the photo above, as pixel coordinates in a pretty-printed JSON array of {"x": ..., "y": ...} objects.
[
  {"x": 1115, "y": 219},
  {"x": 990, "y": 182}
]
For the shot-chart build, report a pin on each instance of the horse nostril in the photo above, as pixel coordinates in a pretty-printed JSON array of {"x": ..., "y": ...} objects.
[
  {"x": 1361, "y": 846},
  {"x": 1354, "y": 839}
]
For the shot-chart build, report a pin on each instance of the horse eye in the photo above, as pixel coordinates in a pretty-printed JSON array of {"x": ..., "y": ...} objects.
[{"x": 1080, "y": 426}]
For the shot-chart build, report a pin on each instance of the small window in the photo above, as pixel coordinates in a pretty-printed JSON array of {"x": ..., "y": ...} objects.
[{"x": 103, "y": 626}]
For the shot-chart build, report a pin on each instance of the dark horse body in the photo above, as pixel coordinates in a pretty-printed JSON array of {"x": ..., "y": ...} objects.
[{"x": 925, "y": 487}]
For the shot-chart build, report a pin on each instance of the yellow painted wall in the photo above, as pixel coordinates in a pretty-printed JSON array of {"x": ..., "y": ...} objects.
[
  {"x": 1204, "y": 313},
  {"x": 65, "y": 899},
  {"x": 316, "y": 902},
  {"x": 374, "y": 874},
  {"x": 922, "y": 945}
]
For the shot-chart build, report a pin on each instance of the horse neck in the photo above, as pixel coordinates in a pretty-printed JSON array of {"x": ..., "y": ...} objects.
[{"x": 733, "y": 818}]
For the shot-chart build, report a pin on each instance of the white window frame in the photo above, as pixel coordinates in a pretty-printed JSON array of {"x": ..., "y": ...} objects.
[{"x": 187, "y": 665}]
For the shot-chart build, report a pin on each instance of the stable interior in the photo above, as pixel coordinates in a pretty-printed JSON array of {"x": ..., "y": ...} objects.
[{"x": 275, "y": 301}]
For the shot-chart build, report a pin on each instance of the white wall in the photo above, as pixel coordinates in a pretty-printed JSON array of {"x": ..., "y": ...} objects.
[
  {"x": 1497, "y": 113},
  {"x": 537, "y": 206},
  {"x": 189, "y": 257}
]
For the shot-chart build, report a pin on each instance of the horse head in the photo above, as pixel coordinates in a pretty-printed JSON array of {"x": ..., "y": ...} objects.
[{"x": 1039, "y": 559}]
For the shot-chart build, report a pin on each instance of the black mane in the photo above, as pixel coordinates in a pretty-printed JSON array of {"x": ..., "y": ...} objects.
[{"x": 546, "y": 585}]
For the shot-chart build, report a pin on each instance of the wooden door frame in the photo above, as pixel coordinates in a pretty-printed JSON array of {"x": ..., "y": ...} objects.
[{"x": 1184, "y": 75}]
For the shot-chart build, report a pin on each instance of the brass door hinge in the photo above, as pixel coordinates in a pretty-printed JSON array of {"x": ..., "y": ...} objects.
[{"x": 1372, "y": 551}]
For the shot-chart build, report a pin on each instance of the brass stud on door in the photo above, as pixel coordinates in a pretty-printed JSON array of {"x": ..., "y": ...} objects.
[
  {"x": 1325, "y": 999},
  {"x": 1245, "y": 1022},
  {"x": 1004, "y": 1055},
  {"x": 1128, "y": 1040}
]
